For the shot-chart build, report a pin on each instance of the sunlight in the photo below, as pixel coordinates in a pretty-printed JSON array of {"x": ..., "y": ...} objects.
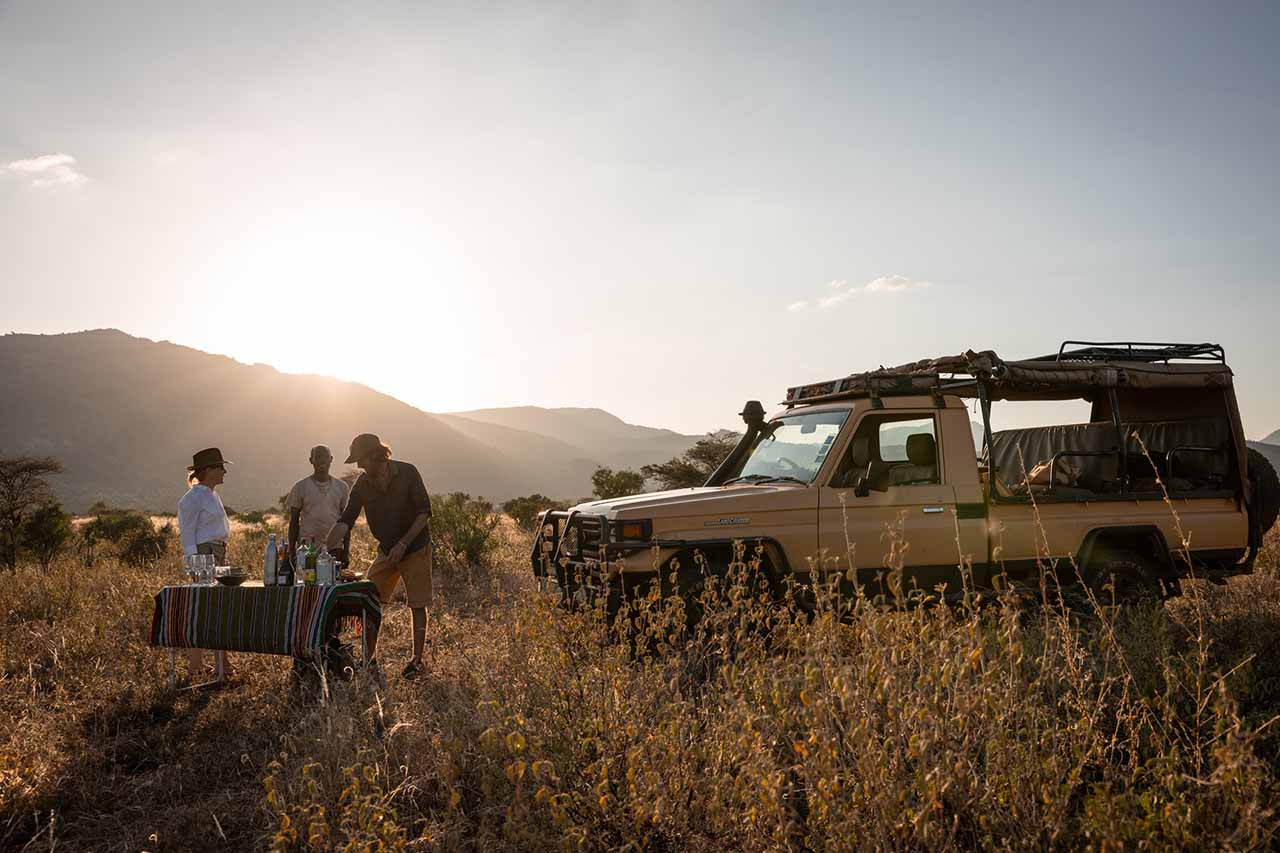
[{"x": 314, "y": 281}]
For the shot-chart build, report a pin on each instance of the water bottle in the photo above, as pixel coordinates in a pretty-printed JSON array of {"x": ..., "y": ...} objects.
[
  {"x": 269, "y": 560},
  {"x": 324, "y": 567}
]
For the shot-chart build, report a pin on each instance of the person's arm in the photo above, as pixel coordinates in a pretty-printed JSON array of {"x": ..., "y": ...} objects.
[
  {"x": 342, "y": 528},
  {"x": 295, "y": 524},
  {"x": 422, "y": 501},
  {"x": 187, "y": 528},
  {"x": 397, "y": 551},
  {"x": 346, "y": 538}
]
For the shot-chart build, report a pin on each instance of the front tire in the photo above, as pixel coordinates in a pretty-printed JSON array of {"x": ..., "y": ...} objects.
[{"x": 1265, "y": 505}]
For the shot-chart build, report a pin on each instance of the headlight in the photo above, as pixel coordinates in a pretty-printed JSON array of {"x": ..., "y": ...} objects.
[{"x": 640, "y": 530}]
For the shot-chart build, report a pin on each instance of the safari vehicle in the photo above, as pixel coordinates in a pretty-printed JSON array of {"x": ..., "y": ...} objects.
[{"x": 815, "y": 485}]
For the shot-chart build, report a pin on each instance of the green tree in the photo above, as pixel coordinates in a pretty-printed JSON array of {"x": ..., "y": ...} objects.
[
  {"x": 524, "y": 511},
  {"x": 24, "y": 484},
  {"x": 45, "y": 533},
  {"x": 695, "y": 465},
  {"x": 464, "y": 527},
  {"x": 607, "y": 483}
]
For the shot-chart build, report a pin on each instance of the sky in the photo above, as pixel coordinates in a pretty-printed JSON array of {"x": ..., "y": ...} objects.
[{"x": 662, "y": 210}]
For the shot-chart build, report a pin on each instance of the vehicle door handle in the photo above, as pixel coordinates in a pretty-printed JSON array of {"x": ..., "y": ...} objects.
[{"x": 933, "y": 509}]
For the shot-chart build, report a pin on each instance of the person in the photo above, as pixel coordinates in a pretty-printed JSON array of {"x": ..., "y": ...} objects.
[
  {"x": 203, "y": 525},
  {"x": 398, "y": 509},
  {"x": 316, "y": 503}
]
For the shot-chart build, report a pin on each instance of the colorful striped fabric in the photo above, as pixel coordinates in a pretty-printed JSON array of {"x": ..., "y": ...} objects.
[{"x": 276, "y": 620}]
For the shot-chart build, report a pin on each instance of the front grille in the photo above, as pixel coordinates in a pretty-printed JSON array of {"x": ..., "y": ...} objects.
[{"x": 590, "y": 536}]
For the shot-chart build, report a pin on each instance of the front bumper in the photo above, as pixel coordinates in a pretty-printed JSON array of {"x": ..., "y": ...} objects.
[{"x": 572, "y": 547}]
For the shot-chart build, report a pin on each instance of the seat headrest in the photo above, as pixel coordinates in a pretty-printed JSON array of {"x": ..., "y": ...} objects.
[
  {"x": 921, "y": 449},
  {"x": 860, "y": 451}
]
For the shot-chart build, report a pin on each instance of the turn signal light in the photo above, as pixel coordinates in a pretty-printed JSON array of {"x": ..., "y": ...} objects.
[{"x": 633, "y": 530}]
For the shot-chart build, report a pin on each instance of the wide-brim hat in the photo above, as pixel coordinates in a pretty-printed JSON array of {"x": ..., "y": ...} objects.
[
  {"x": 210, "y": 457},
  {"x": 362, "y": 445}
]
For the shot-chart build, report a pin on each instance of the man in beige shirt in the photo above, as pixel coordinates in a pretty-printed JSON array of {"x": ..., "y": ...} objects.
[{"x": 316, "y": 502}]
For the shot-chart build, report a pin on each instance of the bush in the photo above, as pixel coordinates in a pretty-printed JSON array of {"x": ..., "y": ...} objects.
[
  {"x": 136, "y": 539},
  {"x": 115, "y": 525},
  {"x": 607, "y": 483},
  {"x": 524, "y": 511},
  {"x": 256, "y": 516},
  {"x": 464, "y": 528},
  {"x": 45, "y": 533},
  {"x": 146, "y": 546}
]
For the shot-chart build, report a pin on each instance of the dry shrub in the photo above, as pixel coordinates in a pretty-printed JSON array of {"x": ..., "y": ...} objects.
[{"x": 857, "y": 727}]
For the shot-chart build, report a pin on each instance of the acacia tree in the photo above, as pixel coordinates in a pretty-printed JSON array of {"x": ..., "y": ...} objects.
[
  {"x": 695, "y": 465},
  {"x": 23, "y": 485}
]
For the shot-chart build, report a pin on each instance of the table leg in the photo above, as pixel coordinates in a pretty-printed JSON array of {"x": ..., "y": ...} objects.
[{"x": 364, "y": 635}]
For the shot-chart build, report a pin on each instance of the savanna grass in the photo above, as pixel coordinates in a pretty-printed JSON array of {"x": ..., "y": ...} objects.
[{"x": 841, "y": 725}]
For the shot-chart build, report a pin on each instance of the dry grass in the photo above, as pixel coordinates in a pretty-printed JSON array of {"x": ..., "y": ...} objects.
[{"x": 537, "y": 729}]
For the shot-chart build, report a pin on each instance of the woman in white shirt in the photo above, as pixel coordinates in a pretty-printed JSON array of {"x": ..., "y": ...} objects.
[{"x": 202, "y": 520}]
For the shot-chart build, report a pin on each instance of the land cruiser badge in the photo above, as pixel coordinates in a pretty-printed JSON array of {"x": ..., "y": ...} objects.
[{"x": 727, "y": 522}]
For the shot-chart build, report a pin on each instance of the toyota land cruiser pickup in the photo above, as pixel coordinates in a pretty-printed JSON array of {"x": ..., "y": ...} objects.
[{"x": 1157, "y": 486}]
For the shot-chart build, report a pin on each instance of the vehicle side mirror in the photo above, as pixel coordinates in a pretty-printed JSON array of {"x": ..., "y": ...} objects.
[{"x": 862, "y": 488}]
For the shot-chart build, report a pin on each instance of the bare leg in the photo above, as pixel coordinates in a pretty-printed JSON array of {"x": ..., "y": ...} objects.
[
  {"x": 372, "y": 640},
  {"x": 195, "y": 661}
]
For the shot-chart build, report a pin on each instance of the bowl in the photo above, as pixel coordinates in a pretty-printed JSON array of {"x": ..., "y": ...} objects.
[{"x": 234, "y": 579}]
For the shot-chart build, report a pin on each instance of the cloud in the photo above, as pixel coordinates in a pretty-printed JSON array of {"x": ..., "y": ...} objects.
[
  {"x": 48, "y": 170},
  {"x": 836, "y": 298},
  {"x": 838, "y": 290},
  {"x": 893, "y": 284}
]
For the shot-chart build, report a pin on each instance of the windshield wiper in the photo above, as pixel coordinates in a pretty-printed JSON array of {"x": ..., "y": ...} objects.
[
  {"x": 752, "y": 477},
  {"x": 785, "y": 479}
]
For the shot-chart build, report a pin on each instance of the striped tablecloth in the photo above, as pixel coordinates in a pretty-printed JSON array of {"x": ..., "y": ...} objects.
[{"x": 276, "y": 620}]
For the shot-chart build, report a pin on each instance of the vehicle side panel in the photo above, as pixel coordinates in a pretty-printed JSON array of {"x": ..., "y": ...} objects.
[{"x": 1210, "y": 524}]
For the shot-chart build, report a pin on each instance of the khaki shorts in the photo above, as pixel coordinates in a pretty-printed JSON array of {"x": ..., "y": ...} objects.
[{"x": 415, "y": 569}]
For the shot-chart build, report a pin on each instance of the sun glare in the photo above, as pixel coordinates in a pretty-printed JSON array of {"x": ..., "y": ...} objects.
[{"x": 364, "y": 295}]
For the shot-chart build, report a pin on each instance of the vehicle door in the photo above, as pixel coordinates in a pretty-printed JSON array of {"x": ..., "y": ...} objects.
[{"x": 888, "y": 505}]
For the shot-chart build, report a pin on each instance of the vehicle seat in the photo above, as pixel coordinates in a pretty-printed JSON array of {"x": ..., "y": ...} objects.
[
  {"x": 863, "y": 466},
  {"x": 922, "y": 462}
]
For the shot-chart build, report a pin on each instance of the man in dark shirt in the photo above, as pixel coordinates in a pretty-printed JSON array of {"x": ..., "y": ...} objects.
[{"x": 396, "y": 505}]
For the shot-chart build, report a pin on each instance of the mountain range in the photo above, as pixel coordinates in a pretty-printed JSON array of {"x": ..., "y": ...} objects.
[{"x": 124, "y": 414}]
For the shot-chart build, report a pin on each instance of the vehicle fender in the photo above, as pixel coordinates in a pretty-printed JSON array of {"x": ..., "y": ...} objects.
[{"x": 1146, "y": 540}]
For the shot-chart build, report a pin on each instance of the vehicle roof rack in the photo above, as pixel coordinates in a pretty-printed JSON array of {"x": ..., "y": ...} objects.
[{"x": 1136, "y": 351}]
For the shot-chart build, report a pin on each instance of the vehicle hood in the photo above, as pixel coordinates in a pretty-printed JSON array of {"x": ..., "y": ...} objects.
[{"x": 683, "y": 502}]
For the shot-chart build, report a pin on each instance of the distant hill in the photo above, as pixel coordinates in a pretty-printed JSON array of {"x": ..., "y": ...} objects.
[
  {"x": 595, "y": 431},
  {"x": 1271, "y": 451},
  {"x": 1273, "y": 439},
  {"x": 124, "y": 415}
]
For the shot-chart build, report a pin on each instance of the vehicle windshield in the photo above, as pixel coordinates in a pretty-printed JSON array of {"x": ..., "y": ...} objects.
[{"x": 792, "y": 448}]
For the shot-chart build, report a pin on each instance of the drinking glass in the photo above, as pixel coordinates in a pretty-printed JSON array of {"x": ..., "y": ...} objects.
[
  {"x": 206, "y": 569},
  {"x": 189, "y": 567}
]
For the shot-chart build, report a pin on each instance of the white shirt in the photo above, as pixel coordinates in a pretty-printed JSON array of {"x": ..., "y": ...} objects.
[
  {"x": 202, "y": 518},
  {"x": 320, "y": 504}
]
